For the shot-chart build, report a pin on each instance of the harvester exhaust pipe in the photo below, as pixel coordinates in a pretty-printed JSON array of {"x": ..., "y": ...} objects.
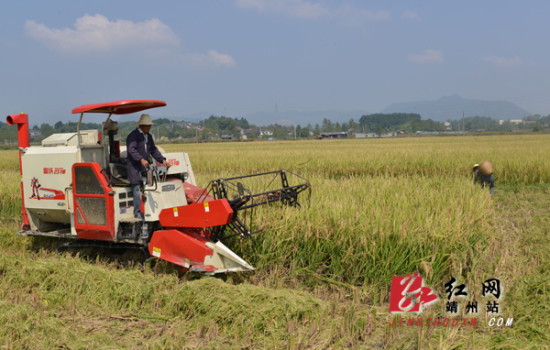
[{"x": 22, "y": 121}]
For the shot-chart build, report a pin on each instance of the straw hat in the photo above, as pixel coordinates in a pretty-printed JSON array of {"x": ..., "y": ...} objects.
[
  {"x": 145, "y": 119},
  {"x": 486, "y": 168},
  {"x": 475, "y": 167}
]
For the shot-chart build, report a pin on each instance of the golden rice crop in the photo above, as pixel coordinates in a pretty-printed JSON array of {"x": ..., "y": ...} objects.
[
  {"x": 379, "y": 207},
  {"x": 10, "y": 187},
  {"x": 516, "y": 159}
]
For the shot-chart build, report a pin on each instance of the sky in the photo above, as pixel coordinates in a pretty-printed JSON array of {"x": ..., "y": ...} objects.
[{"x": 237, "y": 57}]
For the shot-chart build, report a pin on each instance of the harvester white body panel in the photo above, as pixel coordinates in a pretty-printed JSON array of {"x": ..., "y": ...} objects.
[
  {"x": 47, "y": 179},
  {"x": 46, "y": 176}
]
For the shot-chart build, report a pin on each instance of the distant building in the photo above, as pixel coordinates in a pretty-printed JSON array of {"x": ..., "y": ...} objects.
[
  {"x": 252, "y": 132},
  {"x": 333, "y": 135},
  {"x": 419, "y": 132},
  {"x": 268, "y": 133},
  {"x": 374, "y": 135}
]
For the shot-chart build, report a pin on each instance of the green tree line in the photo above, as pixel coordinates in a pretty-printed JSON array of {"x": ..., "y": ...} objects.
[{"x": 216, "y": 127}]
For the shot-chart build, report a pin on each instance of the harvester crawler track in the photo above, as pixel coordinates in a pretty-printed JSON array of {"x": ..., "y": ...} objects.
[{"x": 95, "y": 244}]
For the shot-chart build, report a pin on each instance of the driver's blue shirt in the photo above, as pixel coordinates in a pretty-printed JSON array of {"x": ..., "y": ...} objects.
[{"x": 139, "y": 146}]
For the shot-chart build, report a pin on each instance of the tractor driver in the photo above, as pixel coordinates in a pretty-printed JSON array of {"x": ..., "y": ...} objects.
[{"x": 140, "y": 146}]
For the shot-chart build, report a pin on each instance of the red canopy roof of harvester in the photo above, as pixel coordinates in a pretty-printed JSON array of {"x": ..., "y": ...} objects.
[{"x": 119, "y": 107}]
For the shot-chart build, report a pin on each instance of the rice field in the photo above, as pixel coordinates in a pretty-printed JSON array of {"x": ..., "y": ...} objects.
[{"x": 379, "y": 208}]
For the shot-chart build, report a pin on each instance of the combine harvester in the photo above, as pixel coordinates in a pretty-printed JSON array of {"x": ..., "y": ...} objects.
[{"x": 74, "y": 186}]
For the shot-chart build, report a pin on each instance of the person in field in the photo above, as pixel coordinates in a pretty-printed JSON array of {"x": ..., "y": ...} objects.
[
  {"x": 140, "y": 147},
  {"x": 484, "y": 174}
]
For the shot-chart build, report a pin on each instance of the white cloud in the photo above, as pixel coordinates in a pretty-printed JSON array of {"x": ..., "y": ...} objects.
[
  {"x": 99, "y": 35},
  {"x": 411, "y": 15},
  {"x": 503, "y": 62},
  {"x": 311, "y": 10},
  {"x": 427, "y": 56},
  {"x": 291, "y": 8},
  {"x": 213, "y": 58}
]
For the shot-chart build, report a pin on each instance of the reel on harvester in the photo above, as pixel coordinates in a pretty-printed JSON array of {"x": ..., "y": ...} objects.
[{"x": 242, "y": 197}]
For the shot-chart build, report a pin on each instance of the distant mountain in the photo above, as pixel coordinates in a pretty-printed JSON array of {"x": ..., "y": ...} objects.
[
  {"x": 452, "y": 107},
  {"x": 445, "y": 108}
]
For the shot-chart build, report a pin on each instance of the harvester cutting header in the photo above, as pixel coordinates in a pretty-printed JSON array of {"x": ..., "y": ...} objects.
[{"x": 75, "y": 185}]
